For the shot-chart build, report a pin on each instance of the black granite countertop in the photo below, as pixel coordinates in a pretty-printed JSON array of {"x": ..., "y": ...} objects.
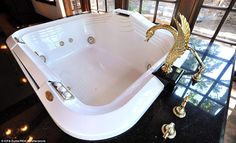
[{"x": 206, "y": 112}]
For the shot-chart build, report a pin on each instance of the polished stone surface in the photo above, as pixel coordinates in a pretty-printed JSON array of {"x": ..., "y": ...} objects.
[{"x": 204, "y": 122}]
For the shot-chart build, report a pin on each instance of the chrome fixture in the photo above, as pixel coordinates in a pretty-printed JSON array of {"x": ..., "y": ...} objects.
[
  {"x": 168, "y": 130},
  {"x": 179, "y": 111},
  {"x": 42, "y": 57},
  {"x": 62, "y": 90},
  {"x": 19, "y": 41},
  {"x": 182, "y": 37}
]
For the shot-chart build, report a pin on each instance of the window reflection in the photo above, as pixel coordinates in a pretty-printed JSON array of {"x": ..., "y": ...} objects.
[
  {"x": 185, "y": 79},
  {"x": 211, "y": 93},
  {"x": 211, "y": 106},
  {"x": 199, "y": 43},
  {"x": 203, "y": 86},
  {"x": 227, "y": 76},
  {"x": 194, "y": 97},
  {"x": 190, "y": 64},
  {"x": 180, "y": 90},
  {"x": 221, "y": 50},
  {"x": 213, "y": 67},
  {"x": 219, "y": 93}
]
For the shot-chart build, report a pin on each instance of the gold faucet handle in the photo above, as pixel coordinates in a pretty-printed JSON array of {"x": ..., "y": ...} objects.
[
  {"x": 168, "y": 130},
  {"x": 179, "y": 111},
  {"x": 184, "y": 103}
]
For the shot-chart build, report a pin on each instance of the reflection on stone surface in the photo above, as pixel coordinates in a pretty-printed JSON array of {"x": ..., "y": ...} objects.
[
  {"x": 210, "y": 106},
  {"x": 190, "y": 64},
  {"x": 219, "y": 93},
  {"x": 194, "y": 97},
  {"x": 198, "y": 43},
  {"x": 180, "y": 90},
  {"x": 202, "y": 86},
  {"x": 221, "y": 50},
  {"x": 213, "y": 67},
  {"x": 227, "y": 75},
  {"x": 185, "y": 79},
  {"x": 211, "y": 93}
]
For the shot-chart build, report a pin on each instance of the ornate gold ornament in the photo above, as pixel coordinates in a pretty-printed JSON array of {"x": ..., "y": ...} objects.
[{"x": 182, "y": 37}]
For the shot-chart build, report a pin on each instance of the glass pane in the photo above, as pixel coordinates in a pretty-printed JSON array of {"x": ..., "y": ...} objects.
[
  {"x": 110, "y": 5},
  {"x": 76, "y": 7},
  {"x": 228, "y": 30},
  {"x": 218, "y": 3},
  {"x": 134, "y": 5},
  {"x": 93, "y": 4},
  {"x": 207, "y": 21},
  {"x": 148, "y": 9},
  {"x": 101, "y": 5},
  {"x": 165, "y": 12}
]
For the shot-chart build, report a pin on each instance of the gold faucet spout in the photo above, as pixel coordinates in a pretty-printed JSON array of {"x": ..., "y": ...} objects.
[
  {"x": 197, "y": 76},
  {"x": 182, "y": 37}
]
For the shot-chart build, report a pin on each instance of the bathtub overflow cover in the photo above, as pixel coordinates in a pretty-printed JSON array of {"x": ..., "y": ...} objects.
[
  {"x": 91, "y": 40},
  {"x": 49, "y": 96}
]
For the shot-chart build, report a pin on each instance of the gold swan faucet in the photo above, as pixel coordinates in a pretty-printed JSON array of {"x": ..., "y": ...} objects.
[{"x": 181, "y": 37}]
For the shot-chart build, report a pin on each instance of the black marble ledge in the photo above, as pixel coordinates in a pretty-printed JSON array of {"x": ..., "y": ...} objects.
[{"x": 204, "y": 122}]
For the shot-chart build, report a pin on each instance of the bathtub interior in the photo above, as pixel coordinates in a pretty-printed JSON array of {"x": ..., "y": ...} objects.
[{"x": 97, "y": 73}]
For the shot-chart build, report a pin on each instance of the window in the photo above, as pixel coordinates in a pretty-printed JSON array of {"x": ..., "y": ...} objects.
[
  {"x": 76, "y": 7},
  {"x": 102, "y": 5},
  {"x": 157, "y": 11},
  {"x": 217, "y": 21}
]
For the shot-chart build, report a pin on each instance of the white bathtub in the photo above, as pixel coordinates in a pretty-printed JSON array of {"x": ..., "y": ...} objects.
[{"x": 106, "y": 87}]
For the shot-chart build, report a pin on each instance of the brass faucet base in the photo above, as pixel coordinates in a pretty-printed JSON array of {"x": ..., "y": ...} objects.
[
  {"x": 167, "y": 69},
  {"x": 179, "y": 111},
  {"x": 164, "y": 130}
]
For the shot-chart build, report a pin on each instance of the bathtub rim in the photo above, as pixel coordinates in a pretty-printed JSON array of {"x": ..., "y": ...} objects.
[{"x": 44, "y": 85}]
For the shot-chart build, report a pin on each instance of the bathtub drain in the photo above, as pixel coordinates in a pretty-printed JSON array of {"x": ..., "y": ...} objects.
[{"x": 91, "y": 40}]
